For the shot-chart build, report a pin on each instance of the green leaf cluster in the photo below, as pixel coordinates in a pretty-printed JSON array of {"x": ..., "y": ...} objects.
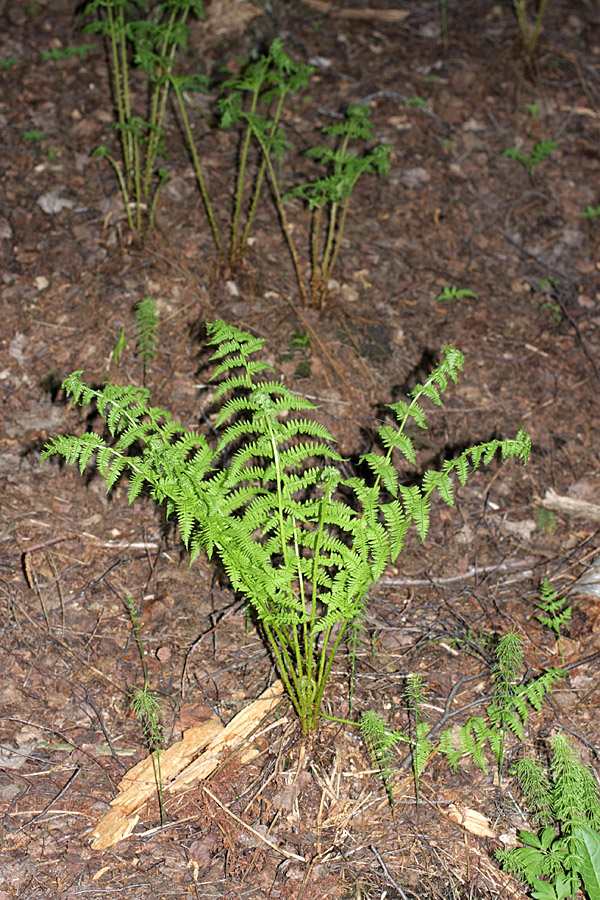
[
  {"x": 540, "y": 152},
  {"x": 300, "y": 540},
  {"x": 147, "y": 35},
  {"x": 564, "y": 855},
  {"x": 508, "y": 711},
  {"x": 328, "y": 197}
]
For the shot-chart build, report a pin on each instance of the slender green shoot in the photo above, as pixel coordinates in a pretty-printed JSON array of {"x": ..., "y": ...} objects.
[
  {"x": 146, "y": 707},
  {"x": 146, "y": 325}
]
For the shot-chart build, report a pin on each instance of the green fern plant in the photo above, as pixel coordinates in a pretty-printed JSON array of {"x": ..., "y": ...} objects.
[
  {"x": 564, "y": 855},
  {"x": 554, "y": 612},
  {"x": 146, "y": 327},
  {"x": 328, "y": 198},
  {"x": 540, "y": 152},
  {"x": 146, "y": 707},
  {"x": 265, "y": 83},
  {"x": 301, "y": 541},
  {"x": 507, "y": 713},
  {"x": 380, "y": 742},
  {"x": 529, "y": 37},
  {"x": 415, "y": 693},
  {"x": 150, "y": 42}
]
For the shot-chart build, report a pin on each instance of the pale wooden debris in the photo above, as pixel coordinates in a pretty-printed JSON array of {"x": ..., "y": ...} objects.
[
  {"x": 471, "y": 820},
  {"x": 139, "y": 784},
  {"x": 580, "y": 509},
  {"x": 232, "y": 736},
  {"x": 180, "y": 765}
]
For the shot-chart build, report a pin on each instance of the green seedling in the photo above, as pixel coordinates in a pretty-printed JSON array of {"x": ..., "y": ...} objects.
[
  {"x": 151, "y": 44},
  {"x": 417, "y": 101},
  {"x": 529, "y": 36},
  {"x": 415, "y": 694},
  {"x": 553, "y": 310},
  {"x": 507, "y": 713},
  {"x": 380, "y": 742},
  {"x": 8, "y": 61},
  {"x": 590, "y": 212},
  {"x": 545, "y": 520},
  {"x": 34, "y": 136},
  {"x": 255, "y": 98},
  {"x": 146, "y": 707},
  {"x": 540, "y": 152},
  {"x": 298, "y": 538},
  {"x": 454, "y": 293},
  {"x": 554, "y": 612},
  {"x": 564, "y": 855},
  {"x": 328, "y": 198},
  {"x": 120, "y": 345},
  {"x": 146, "y": 327},
  {"x": 58, "y": 54},
  {"x": 300, "y": 341},
  {"x": 533, "y": 109}
]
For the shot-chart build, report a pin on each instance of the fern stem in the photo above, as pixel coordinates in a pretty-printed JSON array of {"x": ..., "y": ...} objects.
[{"x": 198, "y": 170}]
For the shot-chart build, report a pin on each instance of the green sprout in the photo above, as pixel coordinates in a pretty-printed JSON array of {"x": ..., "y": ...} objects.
[{"x": 454, "y": 293}]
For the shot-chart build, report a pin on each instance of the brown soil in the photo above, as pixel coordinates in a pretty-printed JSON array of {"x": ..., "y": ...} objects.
[{"x": 454, "y": 212}]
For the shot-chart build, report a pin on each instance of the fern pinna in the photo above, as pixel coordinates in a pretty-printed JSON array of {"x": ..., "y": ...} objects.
[{"x": 303, "y": 552}]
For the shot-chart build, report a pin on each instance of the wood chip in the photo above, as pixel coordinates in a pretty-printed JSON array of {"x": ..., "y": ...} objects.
[
  {"x": 579, "y": 509},
  {"x": 230, "y": 737},
  {"x": 182, "y": 764}
]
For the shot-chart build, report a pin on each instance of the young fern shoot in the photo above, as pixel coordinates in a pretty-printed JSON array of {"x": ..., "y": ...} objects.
[
  {"x": 301, "y": 550},
  {"x": 146, "y": 326}
]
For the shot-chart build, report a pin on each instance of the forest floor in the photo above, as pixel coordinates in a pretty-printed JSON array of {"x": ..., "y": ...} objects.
[{"x": 453, "y": 213}]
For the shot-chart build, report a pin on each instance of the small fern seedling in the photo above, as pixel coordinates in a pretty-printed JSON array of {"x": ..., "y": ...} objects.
[
  {"x": 590, "y": 212},
  {"x": 145, "y": 706},
  {"x": 256, "y": 97},
  {"x": 298, "y": 539},
  {"x": 146, "y": 326},
  {"x": 540, "y": 152},
  {"x": 415, "y": 693},
  {"x": 328, "y": 198},
  {"x": 151, "y": 43},
  {"x": 380, "y": 742},
  {"x": 507, "y": 712},
  {"x": 555, "y": 613}
]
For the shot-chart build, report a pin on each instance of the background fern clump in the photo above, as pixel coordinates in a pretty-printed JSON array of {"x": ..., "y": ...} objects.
[{"x": 302, "y": 542}]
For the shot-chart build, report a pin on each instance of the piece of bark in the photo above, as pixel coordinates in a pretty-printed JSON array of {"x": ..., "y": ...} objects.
[
  {"x": 180, "y": 765},
  {"x": 139, "y": 784},
  {"x": 579, "y": 509},
  {"x": 230, "y": 737}
]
